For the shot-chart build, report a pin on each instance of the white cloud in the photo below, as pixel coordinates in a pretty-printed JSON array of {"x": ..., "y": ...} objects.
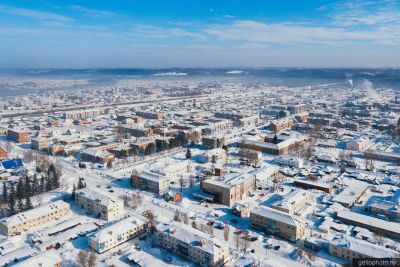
[
  {"x": 94, "y": 12},
  {"x": 42, "y": 16},
  {"x": 287, "y": 33}
]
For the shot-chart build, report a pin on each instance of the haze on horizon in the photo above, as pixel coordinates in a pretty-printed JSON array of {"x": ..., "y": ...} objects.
[{"x": 159, "y": 34}]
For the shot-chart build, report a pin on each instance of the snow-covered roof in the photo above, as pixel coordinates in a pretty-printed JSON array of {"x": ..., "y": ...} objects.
[
  {"x": 193, "y": 237},
  {"x": 276, "y": 215},
  {"x": 45, "y": 259},
  {"x": 352, "y": 192},
  {"x": 364, "y": 247},
  {"x": 369, "y": 220},
  {"x": 118, "y": 228},
  {"x": 34, "y": 213},
  {"x": 98, "y": 196}
]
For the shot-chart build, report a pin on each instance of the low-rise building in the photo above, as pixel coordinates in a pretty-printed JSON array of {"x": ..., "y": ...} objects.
[
  {"x": 389, "y": 209},
  {"x": 40, "y": 143},
  {"x": 192, "y": 244},
  {"x": 27, "y": 220},
  {"x": 97, "y": 156},
  {"x": 45, "y": 259},
  {"x": 289, "y": 161},
  {"x": 19, "y": 136},
  {"x": 117, "y": 233},
  {"x": 230, "y": 188},
  {"x": 350, "y": 248},
  {"x": 314, "y": 185},
  {"x": 101, "y": 205},
  {"x": 386, "y": 228},
  {"x": 3, "y": 153},
  {"x": 294, "y": 202},
  {"x": 277, "y": 222}
]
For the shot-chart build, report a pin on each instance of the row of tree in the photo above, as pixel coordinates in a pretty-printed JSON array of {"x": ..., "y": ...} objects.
[{"x": 18, "y": 196}]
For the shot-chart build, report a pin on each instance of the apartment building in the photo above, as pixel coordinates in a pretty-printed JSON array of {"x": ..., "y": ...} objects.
[
  {"x": 150, "y": 115},
  {"x": 386, "y": 228},
  {"x": 117, "y": 233},
  {"x": 350, "y": 248},
  {"x": 40, "y": 143},
  {"x": 156, "y": 177},
  {"x": 294, "y": 202},
  {"x": 280, "y": 146},
  {"x": 25, "y": 221},
  {"x": 281, "y": 125},
  {"x": 277, "y": 222},
  {"x": 81, "y": 114},
  {"x": 230, "y": 188},
  {"x": 211, "y": 142},
  {"x": 19, "y": 136},
  {"x": 99, "y": 204},
  {"x": 192, "y": 244},
  {"x": 150, "y": 181},
  {"x": 97, "y": 156},
  {"x": 289, "y": 161}
]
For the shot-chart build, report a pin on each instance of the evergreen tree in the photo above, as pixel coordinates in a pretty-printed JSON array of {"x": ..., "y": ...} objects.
[
  {"x": 73, "y": 192},
  {"x": 81, "y": 184},
  {"x": 20, "y": 205},
  {"x": 28, "y": 192},
  {"x": 35, "y": 185},
  {"x": 20, "y": 189},
  {"x": 5, "y": 193},
  {"x": 49, "y": 184},
  {"x": 275, "y": 140},
  {"x": 28, "y": 204},
  {"x": 56, "y": 180},
  {"x": 12, "y": 200},
  {"x": 188, "y": 154},
  {"x": 42, "y": 185}
]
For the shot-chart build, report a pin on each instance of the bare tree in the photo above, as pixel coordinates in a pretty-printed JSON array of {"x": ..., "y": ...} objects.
[
  {"x": 210, "y": 229},
  {"x": 9, "y": 147},
  {"x": 92, "y": 261},
  {"x": 238, "y": 240},
  {"x": 82, "y": 259},
  {"x": 177, "y": 216},
  {"x": 185, "y": 218},
  {"x": 379, "y": 239},
  {"x": 226, "y": 232},
  {"x": 29, "y": 155},
  {"x": 369, "y": 161},
  {"x": 136, "y": 200}
]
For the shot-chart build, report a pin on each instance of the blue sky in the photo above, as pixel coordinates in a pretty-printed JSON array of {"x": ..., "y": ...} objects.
[{"x": 129, "y": 33}]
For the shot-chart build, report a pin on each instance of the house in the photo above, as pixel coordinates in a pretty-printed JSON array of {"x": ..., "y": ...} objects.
[
  {"x": 3, "y": 153},
  {"x": 45, "y": 259}
]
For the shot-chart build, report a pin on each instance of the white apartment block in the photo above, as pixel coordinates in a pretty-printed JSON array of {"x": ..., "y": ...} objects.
[
  {"x": 117, "y": 233},
  {"x": 294, "y": 202},
  {"x": 277, "y": 222},
  {"x": 289, "y": 161},
  {"x": 192, "y": 244},
  {"x": 99, "y": 204},
  {"x": 349, "y": 247},
  {"x": 25, "y": 221}
]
